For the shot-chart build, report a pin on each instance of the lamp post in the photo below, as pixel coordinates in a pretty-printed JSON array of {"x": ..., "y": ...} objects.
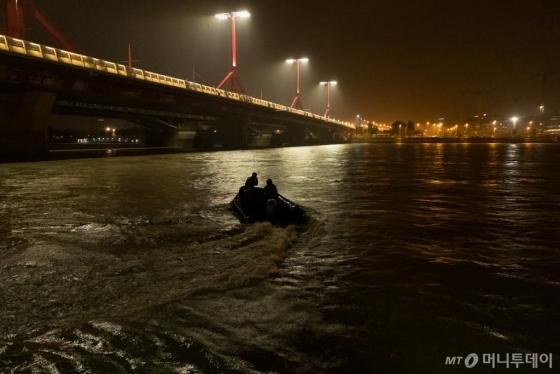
[
  {"x": 328, "y": 95},
  {"x": 513, "y": 131},
  {"x": 297, "y": 102},
  {"x": 236, "y": 85}
]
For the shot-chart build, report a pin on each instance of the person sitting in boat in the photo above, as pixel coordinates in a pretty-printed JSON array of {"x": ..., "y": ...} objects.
[
  {"x": 253, "y": 201},
  {"x": 252, "y": 181},
  {"x": 270, "y": 190}
]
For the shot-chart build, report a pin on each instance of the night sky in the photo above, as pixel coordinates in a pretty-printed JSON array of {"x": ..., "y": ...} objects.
[{"x": 393, "y": 59}]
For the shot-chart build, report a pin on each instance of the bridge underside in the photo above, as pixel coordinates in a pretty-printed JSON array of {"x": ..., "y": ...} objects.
[{"x": 31, "y": 91}]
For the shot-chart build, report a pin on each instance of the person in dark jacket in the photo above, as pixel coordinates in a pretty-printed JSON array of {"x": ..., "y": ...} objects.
[
  {"x": 252, "y": 181},
  {"x": 270, "y": 190}
]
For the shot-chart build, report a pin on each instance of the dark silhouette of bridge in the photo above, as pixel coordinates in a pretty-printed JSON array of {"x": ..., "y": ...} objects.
[{"x": 37, "y": 81}]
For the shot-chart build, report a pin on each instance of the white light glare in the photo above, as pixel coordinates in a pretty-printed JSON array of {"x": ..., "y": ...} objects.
[
  {"x": 292, "y": 60},
  {"x": 331, "y": 82},
  {"x": 243, "y": 14}
]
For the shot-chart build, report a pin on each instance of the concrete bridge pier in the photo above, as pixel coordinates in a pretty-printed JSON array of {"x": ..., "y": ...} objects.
[
  {"x": 295, "y": 135},
  {"x": 161, "y": 138},
  {"x": 318, "y": 136},
  {"x": 232, "y": 131},
  {"x": 325, "y": 136},
  {"x": 23, "y": 124}
]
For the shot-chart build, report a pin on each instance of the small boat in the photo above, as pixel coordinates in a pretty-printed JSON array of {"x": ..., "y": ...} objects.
[{"x": 255, "y": 207}]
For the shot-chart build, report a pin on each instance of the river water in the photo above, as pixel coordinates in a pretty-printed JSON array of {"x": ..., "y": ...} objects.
[{"x": 413, "y": 253}]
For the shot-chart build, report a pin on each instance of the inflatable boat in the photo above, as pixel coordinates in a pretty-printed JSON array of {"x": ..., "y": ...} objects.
[{"x": 252, "y": 205}]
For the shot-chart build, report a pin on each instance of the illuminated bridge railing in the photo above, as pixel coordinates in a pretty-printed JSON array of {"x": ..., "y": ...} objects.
[{"x": 64, "y": 57}]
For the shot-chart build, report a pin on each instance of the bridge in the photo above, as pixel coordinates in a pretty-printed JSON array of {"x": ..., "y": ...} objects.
[{"x": 37, "y": 81}]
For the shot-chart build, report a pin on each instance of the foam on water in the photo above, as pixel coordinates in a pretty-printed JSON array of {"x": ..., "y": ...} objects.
[{"x": 49, "y": 286}]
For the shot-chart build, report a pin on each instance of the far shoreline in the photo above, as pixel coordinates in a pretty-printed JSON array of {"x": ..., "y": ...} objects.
[{"x": 455, "y": 140}]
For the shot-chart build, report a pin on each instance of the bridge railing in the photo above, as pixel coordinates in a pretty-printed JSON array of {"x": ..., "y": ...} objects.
[{"x": 35, "y": 50}]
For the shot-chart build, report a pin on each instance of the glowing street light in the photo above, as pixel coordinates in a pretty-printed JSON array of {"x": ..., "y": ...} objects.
[
  {"x": 236, "y": 85},
  {"x": 297, "y": 103},
  {"x": 514, "y": 120},
  {"x": 328, "y": 95}
]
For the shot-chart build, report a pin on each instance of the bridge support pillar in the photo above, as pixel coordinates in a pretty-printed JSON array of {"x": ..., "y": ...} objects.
[
  {"x": 295, "y": 135},
  {"x": 161, "y": 138},
  {"x": 23, "y": 124},
  {"x": 232, "y": 131},
  {"x": 314, "y": 136}
]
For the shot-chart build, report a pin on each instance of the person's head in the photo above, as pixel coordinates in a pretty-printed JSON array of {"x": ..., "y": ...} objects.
[
  {"x": 269, "y": 181},
  {"x": 254, "y": 174}
]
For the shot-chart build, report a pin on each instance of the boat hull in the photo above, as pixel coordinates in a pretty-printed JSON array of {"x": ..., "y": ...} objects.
[{"x": 278, "y": 211}]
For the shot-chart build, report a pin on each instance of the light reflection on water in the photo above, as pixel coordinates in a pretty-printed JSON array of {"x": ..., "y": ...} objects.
[{"x": 413, "y": 253}]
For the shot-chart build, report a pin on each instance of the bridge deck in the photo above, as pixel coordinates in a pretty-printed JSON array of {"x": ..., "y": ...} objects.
[{"x": 96, "y": 66}]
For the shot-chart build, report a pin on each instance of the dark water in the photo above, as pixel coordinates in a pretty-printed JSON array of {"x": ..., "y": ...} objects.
[{"x": 413, "y": 253}]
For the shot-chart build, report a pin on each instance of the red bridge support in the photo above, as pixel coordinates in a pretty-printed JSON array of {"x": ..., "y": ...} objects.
[
  {"x": 15, "y": 28},
  {"x": 14, "y": 19}
]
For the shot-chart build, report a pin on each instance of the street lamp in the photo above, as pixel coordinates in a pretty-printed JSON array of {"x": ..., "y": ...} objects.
[
  {"x": 514, "y": 120},
  {"x": 328, "y": 95},
  {"x": 236, "y": 85},
  {"x": 297, "y": 103}
]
